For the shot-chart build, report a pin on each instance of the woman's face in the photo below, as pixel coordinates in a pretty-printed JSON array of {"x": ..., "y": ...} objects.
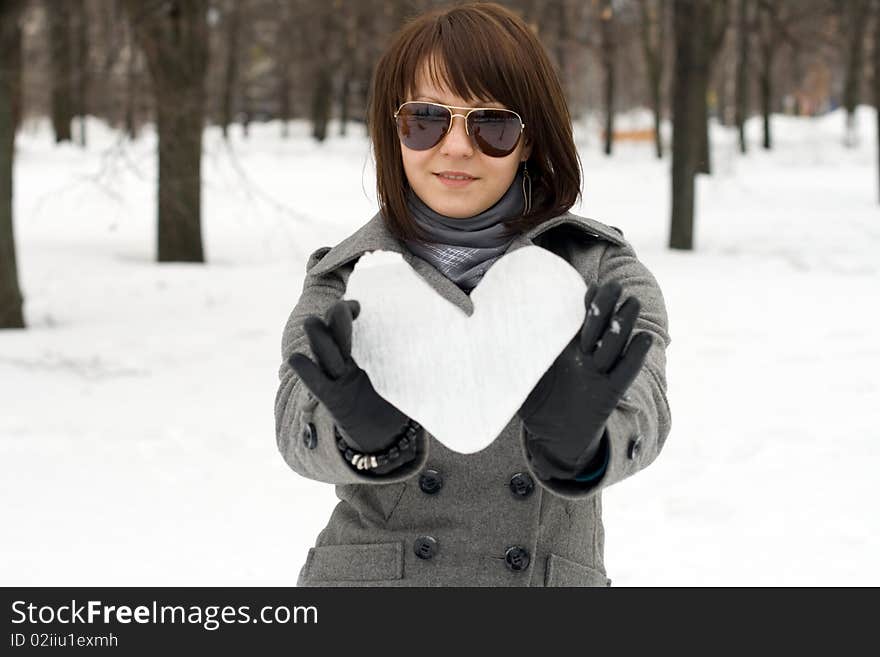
[{"x": 457, "y": 154}]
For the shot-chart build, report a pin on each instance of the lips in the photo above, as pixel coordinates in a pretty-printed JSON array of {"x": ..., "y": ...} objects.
[
  {"x": 446, "y": 180},
  {"x": 455, "y": 175}
]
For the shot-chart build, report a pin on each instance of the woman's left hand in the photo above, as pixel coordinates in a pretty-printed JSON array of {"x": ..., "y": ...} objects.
[{"x": 566, "y": 412}]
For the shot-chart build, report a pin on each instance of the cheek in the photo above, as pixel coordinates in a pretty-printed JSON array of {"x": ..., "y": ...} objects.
[
  {"x": 504, "y": 169},
  {"x": 414, "y": 161}
]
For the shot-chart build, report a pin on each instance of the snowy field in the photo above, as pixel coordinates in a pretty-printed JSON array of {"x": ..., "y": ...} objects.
[{"x": 137, "y": 442}]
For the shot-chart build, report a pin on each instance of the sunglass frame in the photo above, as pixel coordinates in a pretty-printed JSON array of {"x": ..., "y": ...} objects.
[{"x": 470, "y": 110}]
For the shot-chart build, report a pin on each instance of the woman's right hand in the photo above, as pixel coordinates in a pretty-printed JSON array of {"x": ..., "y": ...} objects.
[{"x": 368, "y": 422}]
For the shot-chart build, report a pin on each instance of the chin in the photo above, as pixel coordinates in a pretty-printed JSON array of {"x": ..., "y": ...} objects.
[{"x": 456, "y": 211}]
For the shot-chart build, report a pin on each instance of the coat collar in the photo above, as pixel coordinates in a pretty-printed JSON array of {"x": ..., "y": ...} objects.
[{"x": 375, "y": 236}]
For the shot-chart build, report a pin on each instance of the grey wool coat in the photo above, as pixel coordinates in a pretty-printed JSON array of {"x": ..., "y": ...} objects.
[{"x": 483, "y": 519}]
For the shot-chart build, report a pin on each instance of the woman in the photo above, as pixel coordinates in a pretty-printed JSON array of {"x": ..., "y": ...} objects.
[{"x": 475, "y": 158}]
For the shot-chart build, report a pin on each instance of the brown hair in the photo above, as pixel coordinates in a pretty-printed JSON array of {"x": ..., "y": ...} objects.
[{"x": 476, "y": 50}]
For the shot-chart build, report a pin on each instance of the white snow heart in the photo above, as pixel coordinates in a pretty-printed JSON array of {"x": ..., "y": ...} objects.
[{"x": 463, "y": 377}]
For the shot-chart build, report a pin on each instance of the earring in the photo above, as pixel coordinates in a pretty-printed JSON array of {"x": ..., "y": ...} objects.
[{"x": 527, "y": 188}]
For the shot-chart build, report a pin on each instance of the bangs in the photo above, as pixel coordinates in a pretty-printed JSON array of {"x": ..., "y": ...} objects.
[{"x": 446, "y": 52}]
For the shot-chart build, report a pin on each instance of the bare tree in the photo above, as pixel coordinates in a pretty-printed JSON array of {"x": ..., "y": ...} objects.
[
  {"x": 856, "y": 18},
  {"x": 653, "y": 36},
  {"x": 768, "y": 42},
  {"x": 322, "y": 91},
  {"x": 10, "y": 41},
  {"x": 714, "y": 18},
  {"x": 12, "y": 62},
  {"x": 283, "y": 53},
  {"x": 560, "y": 43},
  {"x": 743, "y": 31},
  {"x": 349, "y": 67},
  {"x": 174, "y": 37},
  {"x": 80, "y": 82},
  {"x": 689, "y": 21},
  {"x": 59, "y": 52},
  {"x": 232, "y": 23},
  {"x": 876, "y": 78},
  {"x": 246, "y": 80},
  {"x": 608, "y": 48},
  {"x": 131, "y": 80}
]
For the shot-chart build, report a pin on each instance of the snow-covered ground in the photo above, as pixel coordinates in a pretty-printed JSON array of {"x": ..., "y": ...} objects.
[{"x": 137, "y": 442}]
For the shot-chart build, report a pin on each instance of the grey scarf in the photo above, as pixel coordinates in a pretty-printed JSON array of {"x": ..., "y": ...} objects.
[{"x": 464, "y": 249}]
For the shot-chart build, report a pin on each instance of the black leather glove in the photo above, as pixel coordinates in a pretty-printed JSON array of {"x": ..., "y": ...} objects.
[
  {"x": 368, "y": 422},
  {"x": 566, "y": 412}
]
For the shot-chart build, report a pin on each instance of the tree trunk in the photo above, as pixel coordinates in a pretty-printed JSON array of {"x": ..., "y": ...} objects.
[
  {"x": 561, "y": 45},
  {"x": 722, "y": 90},
  {"x": 712, "y": 17},
  {"x": 131, "y": 89},
  {"x": 230, "y": 73},
  {"x": 857, "y": 15},
  {"x": 284, "y": 109},
  {"x": 768, "y": 36},
  {"x": 12, "y": 56},
  {"x": 349, "y": 59},
  {"x": 174, "y": 38},
  {"x": 797, "y": 74},
  {"x": 81, "y": 22},
  {"x": 11, "y": 315},
  {"x": 656, "y": 96},
  {"x": 245, "y": 75},
  {"x": 59, "y": 55},
  {"x": 657, "y": 110},
  {"x": 283, "y": 54},
  {"x": 321, "y": 102},
  {"x": 701, "y": 90},
  {"x": 742, "y": 68},
  {"x": 653, "y": 36},
  {"x": 343, "y": 101},
  {"x": 766, "y": 101},
  {"x": 700, "y": 77},
  {"x": 685, "y": 126},
  {"x": 606, "y": 22},
  {"x": 876, "y": 85},
  {"x": 322, "y": 94}
]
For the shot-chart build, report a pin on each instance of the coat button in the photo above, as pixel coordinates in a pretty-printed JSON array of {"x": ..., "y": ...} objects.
[
  {"x": 635, "y": 446},
  {"x": 517, "y": 558},
  {"x": 430, "y": 481},
  {"x": 425, "y": 547},
  {"x": 522, "y": 484},
  {"x": 310, "y": 436}
]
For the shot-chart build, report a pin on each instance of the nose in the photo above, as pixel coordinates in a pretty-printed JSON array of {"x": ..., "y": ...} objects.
[{"x": 457, "y": 143}]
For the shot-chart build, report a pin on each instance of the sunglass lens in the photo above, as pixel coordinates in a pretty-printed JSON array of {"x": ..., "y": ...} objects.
[
  {"x": 495, "y": 131},
  {"x": 421, "y": 125}
]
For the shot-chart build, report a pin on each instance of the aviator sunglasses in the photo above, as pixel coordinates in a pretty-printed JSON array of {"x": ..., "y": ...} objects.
[{"x": 422, "y": 125}]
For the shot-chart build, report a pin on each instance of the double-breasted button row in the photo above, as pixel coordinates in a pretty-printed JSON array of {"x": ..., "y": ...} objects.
[
  {"x": 516, "y": 557},
  {"x": 521, "y": 483},
  {"x": 310, "y": 436}
]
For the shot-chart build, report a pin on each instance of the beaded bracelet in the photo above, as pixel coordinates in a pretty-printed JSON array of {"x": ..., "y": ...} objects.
[{"x": 370, "y": 461}]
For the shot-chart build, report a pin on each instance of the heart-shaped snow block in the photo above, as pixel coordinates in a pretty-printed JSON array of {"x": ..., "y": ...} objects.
[{"x": 463, "y": 378}]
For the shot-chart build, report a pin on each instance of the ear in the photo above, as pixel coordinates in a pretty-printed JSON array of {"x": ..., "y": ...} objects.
[{"x": 526, "y": 151}]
